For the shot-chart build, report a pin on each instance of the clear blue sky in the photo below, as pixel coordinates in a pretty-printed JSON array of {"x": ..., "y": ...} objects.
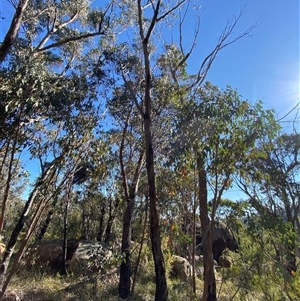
[{"x": 264, "y": 66}]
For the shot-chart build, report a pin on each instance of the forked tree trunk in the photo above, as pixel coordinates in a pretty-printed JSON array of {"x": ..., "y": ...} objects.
[
  {"x": 209, "y": 290},
  {"x": 161, "y": 293}
]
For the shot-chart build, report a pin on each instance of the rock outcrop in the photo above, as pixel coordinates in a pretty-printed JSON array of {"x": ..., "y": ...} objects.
[
  {"x": 90, "y": 257},
  {"x": 49, "y": 254},
  {"x": 180, "y": 268}
]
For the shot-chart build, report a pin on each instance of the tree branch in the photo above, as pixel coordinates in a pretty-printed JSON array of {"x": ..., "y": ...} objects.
[
  {"x": 170, "y": 11},
  {"x": 224, "y": 41},
  {"x": 12, "y": 33},
  {"x": 72, "y": 39},
  {"x": 152, "y": 24}
]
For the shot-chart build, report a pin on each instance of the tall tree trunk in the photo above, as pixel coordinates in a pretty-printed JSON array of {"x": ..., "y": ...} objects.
[
  {"x": 194, "y": 237},
  {"x": 111, "y": 217},
  {"x": 9, "y": 178},
  {"x": 20, "y": 224},
  {"x": 101, "y": 224},
  {"x": 141, "y": 246},
  {"x": 209, "y": 290},
  {"x": 161, "y": 293},
  {"x": 47, "y": 221},
  {"x": 65, "y": 233},
  {"x": 13, "y": 30},
  {"x": 125, "y": 268}
]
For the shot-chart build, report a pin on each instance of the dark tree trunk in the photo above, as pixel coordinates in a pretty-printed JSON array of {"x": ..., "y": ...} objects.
[
  {"x": 47, "y": 221},
  {"x": 125, "y": 268},
  {"x": 111, "y": 217},
  {"x": 20, "y": 224},
  {"x": 101, "y": 224},
  {"x": 65, "y": 237},
  {"x": 161, "y": 293},
  {"x": 141, "y": 246},
  {"x": 209, "y": 290},
  {"x": 45, "y": 226},
  {"x": 13, "y": 30}
]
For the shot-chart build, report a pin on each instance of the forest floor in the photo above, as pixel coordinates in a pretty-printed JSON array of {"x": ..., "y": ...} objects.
[
  {"x": 36, "y": 286},
  {"x": 30, "y": 286}
]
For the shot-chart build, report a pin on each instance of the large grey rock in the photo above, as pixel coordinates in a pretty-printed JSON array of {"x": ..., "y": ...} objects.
[
  {"x": 90, "y": 258},
  {"x": 46, "y": 254},
  {"x": 180, "y": 267},
  {"x": 49, "y": 253},
  {"x": 223, "y": 238}
]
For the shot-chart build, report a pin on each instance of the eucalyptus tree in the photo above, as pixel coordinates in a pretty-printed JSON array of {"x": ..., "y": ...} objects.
[
  {"x": 127, "y": 138},
  {"x": 56, "y": 179},
  {"x": 147, "y": 24},
  {"x": 271, "y": 182},
  {"x": 50, "y": 70},
  {"x": 51, "y": 74},
  {"x": 47, "y": 24},
  {"x": 215, "y": 133}
]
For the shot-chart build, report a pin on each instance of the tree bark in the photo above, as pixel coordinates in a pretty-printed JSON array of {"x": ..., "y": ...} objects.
[
  {"x": 111, "y": 217},
  {"x": 101, "y": 224},
  {"x": 161, "y": 293},
  {"x": 47, "y": 221},
  {"x": 125, "y": 268},
  {"x": 141, "y": 246},
  {"x": 209, "y": 290},
  {"x": 65, "y": 233},
  {"x": 9, "y": 177},
  {"x": 20, "y": 224},
  {"x": 13, "y": 30}
]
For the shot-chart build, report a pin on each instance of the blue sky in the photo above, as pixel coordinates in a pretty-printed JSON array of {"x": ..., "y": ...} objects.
[{"x": 266, "y": 65}]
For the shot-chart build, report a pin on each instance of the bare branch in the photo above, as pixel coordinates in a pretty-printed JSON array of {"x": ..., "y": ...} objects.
[
  {"x": 72, "y": 39},
  {"x": 289, "y": 112},
  {"x": 224, "y": 41},
  {"x": 132, "y": 92},
  {"x": 153, "y": 22},
  {"x": 181, "y": 22},
  {"x": 140, "y": 20},
  {"x": 170, "y": 11},
  {"x": 55, "y": 29},
  {"x": 121, "y": 157}
]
